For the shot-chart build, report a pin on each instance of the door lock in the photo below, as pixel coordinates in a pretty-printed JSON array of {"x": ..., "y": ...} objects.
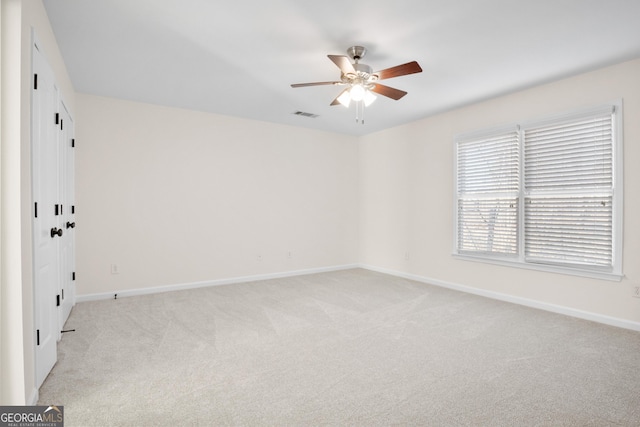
[
  {"x": 55, "y": 231},
  {"x": 71, "y": 224}
]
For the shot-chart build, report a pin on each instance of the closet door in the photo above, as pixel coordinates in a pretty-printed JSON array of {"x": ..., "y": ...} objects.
[
  {"x": 47, "y": 221},
  {"x": 52, "y": 175},
  {"x": 67, "y": 240}
]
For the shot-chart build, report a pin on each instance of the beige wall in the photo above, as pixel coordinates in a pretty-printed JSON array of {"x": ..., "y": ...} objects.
[
  {"x": 12, "y": 370},
  {"x": 406, "y": 195},
  {"x": 174, "y": 197}
]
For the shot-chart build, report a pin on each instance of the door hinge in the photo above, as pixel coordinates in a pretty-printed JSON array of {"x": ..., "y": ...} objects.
[
  {"x": 73, "y": 209},
  {"x": 73, "y": 142},
  {"x": 35, "y": 209},
  {"x": 38, "y": 336},
  {"x": 35, "y": 82},
  {"x": 63, "y": 295},
  {"x": 57, "y": 118},
  {"x": 73, "y": 276},
  {"x": 61, "y": 124},
  {"x": 57, "y": 209},
  {"x": 58, "y": 300}
]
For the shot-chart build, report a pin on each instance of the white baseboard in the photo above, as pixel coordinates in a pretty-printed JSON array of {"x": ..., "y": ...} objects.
[
  {"x": 33, "y": 399},
  {"x": 568, "y": 311},
  {"x": 207, "y": 283}
]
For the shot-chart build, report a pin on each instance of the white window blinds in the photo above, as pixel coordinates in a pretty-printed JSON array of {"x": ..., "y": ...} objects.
[
  {"x": 569, "y": 190},
  {"x": 546, "y": 195},
  {"x": 488, "y": 181}
]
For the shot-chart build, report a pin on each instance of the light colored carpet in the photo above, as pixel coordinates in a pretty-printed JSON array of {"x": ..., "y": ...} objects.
[{"x": 351, "y": 347}]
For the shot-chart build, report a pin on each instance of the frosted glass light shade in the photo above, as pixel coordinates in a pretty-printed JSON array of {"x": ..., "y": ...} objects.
[
  {"x": 357, "y": 93},
  {"x": 369, "y": 97},
  {"x": 345, "y": 98}
]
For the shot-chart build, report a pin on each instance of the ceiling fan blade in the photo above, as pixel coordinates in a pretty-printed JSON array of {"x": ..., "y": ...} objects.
[
  {"x": 399, "y": 70},
  {"x": 335, "y": 101},
  {"x": 343, "y": 63},
  {"x": 314, "y": 84},
  {"x": 389, "y": 92}
]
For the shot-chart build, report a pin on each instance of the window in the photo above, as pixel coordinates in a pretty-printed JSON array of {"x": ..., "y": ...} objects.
[{"x": 543, "y": 194}]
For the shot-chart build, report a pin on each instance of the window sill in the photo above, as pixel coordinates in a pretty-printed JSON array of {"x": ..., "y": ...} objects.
[{"x": 592, "y": 274}]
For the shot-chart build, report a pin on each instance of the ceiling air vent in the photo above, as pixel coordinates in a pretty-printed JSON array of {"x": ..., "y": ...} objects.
[{"x": 302, "y": 113}]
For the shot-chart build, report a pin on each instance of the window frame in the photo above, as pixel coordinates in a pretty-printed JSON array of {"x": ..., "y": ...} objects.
[{"x": 613, "y": 272}]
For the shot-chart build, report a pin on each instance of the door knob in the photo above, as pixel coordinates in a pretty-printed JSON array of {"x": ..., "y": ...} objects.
[
  {"x": 55, "y": 231},
  {"x": 71, "y": 224}
]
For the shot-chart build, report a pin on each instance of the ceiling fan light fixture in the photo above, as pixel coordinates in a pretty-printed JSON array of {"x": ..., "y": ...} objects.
[
  {"x": 344, "y": 98},
  {"x": 361, "y": 81}
]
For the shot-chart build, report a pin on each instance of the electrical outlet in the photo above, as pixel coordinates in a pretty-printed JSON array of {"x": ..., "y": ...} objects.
[
  {"x": 636, "y": 291},
  {"x": 115, "y": 269}
]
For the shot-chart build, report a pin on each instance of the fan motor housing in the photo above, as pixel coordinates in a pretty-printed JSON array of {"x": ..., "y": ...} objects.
[
  {"x": 363, "y": 75},
  {"x": 363, "y": 68}
]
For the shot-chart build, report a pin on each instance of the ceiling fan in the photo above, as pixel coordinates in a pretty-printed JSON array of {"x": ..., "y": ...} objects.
[{"x": 361, "y": 81}]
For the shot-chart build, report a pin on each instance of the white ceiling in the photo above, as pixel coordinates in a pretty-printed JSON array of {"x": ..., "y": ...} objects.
[{"x": 239, "y": 57}]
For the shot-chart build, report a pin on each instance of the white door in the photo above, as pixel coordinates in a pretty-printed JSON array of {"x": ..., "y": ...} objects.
[
  {"x": 45, "y": 211},
  {"x": 67, "y": 240}
]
